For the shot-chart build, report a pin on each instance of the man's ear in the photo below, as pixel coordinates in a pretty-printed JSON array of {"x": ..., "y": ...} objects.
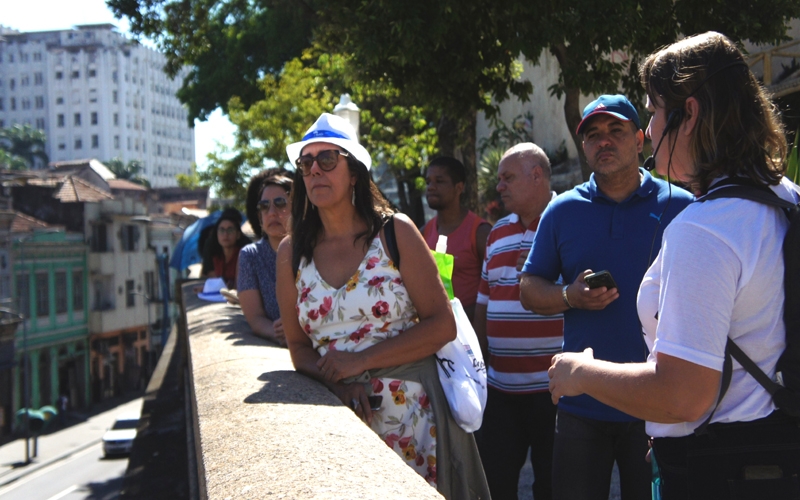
[{"x": 639, "y": 140}]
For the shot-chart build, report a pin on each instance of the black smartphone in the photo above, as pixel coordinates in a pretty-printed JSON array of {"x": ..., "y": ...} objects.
[
  {"x": 600, "y": 278},
  {"x": 375, "y": 402}
]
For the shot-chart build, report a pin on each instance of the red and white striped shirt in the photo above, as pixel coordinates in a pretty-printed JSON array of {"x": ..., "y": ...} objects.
[{"x": 521, "y": 342}]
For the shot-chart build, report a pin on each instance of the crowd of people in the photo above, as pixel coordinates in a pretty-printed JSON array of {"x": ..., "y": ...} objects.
[{"x": 582, "y": 373}]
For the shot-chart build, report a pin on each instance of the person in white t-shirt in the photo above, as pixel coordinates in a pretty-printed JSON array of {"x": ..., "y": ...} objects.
[{"x": 719, "y": 275}]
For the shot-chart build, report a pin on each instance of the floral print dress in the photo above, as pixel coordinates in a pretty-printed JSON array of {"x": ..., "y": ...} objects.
[{"x": 370, "y": 308}]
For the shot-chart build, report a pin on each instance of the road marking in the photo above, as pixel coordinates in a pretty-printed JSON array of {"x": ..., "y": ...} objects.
[
  {"x": 64, "y": 493},
  {"x": 45, "y": 469}
]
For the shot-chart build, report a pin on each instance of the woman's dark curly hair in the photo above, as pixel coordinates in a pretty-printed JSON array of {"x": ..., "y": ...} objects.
[
  {"x": 370, "y": 205},
  {"x": 738, "y": 132}
]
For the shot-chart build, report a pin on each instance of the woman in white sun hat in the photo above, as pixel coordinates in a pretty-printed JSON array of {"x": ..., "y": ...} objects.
[{"x": 364, "y": 328}]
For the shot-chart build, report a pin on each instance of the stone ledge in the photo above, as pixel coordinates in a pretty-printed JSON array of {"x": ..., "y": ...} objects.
[{"x": 263, "y": 430}]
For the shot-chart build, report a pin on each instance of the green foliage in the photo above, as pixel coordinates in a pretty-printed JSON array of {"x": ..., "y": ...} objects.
[
  {"x": 129, "y": 172},
  {"x": 401, "y": 136},
  {"x": 20, "y": 146},
  {"x": 189, "y": 181},
  {"x": 793, "y": 161}
]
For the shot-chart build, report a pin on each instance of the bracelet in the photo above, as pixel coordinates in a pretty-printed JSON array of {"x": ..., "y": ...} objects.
[{"x": 564, "y": 296}]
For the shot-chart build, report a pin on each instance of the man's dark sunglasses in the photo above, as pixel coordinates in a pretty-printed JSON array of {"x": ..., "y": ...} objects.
[
  {"x": 326, "y": 160},
  {"x": 280, "y": 203}
]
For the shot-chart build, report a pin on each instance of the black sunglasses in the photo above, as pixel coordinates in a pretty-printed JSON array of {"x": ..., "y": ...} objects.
[
  {"x": 280, "y": 203},
  {"x": 326, "y": 160}
]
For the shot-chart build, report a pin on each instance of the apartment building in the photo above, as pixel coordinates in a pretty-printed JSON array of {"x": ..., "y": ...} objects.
[{"x": 96, "y": 94}]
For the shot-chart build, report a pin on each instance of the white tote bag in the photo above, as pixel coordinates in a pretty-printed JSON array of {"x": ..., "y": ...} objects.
[{"x": 462, "y": 373}]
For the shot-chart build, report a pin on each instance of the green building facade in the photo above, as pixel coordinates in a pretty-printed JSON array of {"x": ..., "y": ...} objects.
[{"x": 50, "y": 288}]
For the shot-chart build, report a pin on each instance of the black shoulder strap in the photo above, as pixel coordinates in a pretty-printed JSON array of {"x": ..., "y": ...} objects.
[
  {"x": 391, "y": 241},
  {"x": 748, "y": 190}
]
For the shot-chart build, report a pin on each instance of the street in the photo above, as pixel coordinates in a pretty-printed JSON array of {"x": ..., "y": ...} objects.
[
  {"x": 83, "y": 475},
  {"x": 70, "y": 464}
]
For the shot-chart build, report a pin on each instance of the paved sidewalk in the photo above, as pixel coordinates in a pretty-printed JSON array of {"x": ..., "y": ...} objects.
[{"x": 85, "y": 430}]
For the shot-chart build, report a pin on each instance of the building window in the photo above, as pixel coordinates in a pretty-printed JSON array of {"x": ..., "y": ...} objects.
[
  {"x": 129, "y": 237},
  {"x": 59, "y": 75},
  {"x": 76, "y": 74},
  {"x": 40, "y": 123},
  {"x": 94, "y": 117},
  {"x": 114, "y": 97},
  {"x": 12, "y": 83},
  {"x": 13, "y": 102},
  {"x": 26, "y": 103},
  {"x": 116, "y": 119},
  {"x": 116, "y": 142},
  {"x": 23, "y": 294},
  {"x": 37, "y": 56},
  {"x": 61, "y": 292},
  {"x": 151, "y": 285},
  {"x": 95, "y": 141},
  {"x": 77, "y": 290},
  {"x": 1, "y": 104},
  {"x": 78, "y": 143},
  {"x": 99, "y": 242},
  {"x": 59, "y": 100},
  {"x": 60, "y": 120},
  {"x": 25, "y": 80},
  {"x": 93, "y": 95},
  {"x": 38, "y": 78},
  {"x": 42, "y": 295},
  {"x": 92, "y": 73},
  {"x": 130, "y": 299},
  {"x": 39, "y": 102},
  {"x": 77, "y": 119}
]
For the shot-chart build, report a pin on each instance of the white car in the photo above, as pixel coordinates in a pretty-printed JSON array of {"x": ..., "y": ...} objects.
[{"x": 119, "y": 438}]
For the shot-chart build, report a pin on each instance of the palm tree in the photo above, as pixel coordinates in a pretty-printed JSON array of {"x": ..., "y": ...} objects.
[
  {"x": 22, "y": 143},
  {"x": 128, "y": 172}
]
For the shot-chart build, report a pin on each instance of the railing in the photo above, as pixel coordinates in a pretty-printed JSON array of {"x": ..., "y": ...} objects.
[
  {"x": 261, "y": 430},
  {"x": 766, "y": 58}
]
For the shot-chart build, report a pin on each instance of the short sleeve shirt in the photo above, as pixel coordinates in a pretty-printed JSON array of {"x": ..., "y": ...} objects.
[{"x": 257, "y": 265}]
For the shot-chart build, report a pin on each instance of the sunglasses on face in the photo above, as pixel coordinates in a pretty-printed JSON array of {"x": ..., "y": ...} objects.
[
  {"x": 326, "y": 160},
  {"x": 280, "y": 203}
]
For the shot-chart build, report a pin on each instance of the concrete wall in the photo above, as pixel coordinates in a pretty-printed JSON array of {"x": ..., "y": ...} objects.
[{"x": 261, "y": 430}]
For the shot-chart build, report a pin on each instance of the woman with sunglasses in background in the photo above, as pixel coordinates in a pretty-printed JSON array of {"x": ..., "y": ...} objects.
[
  {"x": 357, "y": 323},
  {"x": 256, "y": 282},
  {"x": 224, "y": 245}
]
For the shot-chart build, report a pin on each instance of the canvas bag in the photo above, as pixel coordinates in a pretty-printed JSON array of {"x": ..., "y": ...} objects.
[{"x": 462, "y": 371}]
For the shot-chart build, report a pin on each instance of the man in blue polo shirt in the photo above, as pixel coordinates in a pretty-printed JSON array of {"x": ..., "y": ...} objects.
[{"x": 614, "y": 222}]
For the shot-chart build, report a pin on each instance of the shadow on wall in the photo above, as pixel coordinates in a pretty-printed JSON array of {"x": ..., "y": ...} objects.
[{"x": 289, "y": 387}]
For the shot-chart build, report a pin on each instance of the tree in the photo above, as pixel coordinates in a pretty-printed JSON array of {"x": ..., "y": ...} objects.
[
  {"x": 402, "y": 137},
  {"x": 128, "y": 172},
  {"x": 600, "y": 45},
  {"x": 22, "y": 146}
]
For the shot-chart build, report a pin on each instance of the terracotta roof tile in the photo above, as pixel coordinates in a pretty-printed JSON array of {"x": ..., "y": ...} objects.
[
  {"x": 75, "y": 189},
  {"x": 25, "y": 223},
  {"x": 126, "y": 185}
]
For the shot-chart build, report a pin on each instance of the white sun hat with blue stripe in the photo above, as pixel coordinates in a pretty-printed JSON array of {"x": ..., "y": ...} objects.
[{"x": 334, "y": 130}]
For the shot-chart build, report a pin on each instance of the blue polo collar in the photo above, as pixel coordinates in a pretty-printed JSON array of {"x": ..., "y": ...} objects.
[{"x": 646, "y": 187}]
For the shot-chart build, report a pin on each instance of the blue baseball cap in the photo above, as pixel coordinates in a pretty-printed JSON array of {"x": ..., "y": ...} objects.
[{"x": 617, "y": 106}]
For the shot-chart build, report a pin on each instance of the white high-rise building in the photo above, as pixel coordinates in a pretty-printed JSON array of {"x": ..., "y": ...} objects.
[{"x": 96, "y": 94}]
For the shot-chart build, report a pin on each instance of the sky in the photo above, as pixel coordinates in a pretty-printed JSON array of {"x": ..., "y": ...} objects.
[{"x": 44, "y": 15}]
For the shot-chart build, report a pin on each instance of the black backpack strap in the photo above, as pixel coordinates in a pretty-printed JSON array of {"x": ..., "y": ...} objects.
[
  {"x": 748, "y": 190},
  {"x": 391, "y": 241},
  {"x": 727, "y": 371}
]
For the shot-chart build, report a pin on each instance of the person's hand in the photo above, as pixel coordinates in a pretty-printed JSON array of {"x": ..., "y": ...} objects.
[
  {"x": 563, "y": 381},
  {"x": 338, "y": 365},
  {"x": 354, "y": 397},
  {"x": 280, "y": 336},
  {"x": 582, "y": 297}
]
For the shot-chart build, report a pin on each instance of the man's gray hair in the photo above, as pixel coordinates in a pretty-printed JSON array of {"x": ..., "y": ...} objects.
[{"x": 531, "y": 155}]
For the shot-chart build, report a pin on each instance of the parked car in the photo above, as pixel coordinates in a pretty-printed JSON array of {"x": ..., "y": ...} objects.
[{"x": 119, "y": 438}]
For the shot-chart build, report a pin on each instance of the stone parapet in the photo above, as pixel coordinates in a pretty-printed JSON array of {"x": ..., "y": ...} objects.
[{"x": 262, "y": 430}]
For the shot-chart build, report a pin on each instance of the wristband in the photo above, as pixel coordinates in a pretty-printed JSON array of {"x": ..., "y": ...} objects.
[{"x": 564, "y": 296}]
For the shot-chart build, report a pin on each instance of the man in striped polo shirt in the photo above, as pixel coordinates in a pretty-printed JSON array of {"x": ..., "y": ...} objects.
[{"x": 519, "y": 413}]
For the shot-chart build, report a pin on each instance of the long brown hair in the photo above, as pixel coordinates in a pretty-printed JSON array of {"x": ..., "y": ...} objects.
[
  {"x": 738, "y": 132},
  {"x": 370, "y": 205}
]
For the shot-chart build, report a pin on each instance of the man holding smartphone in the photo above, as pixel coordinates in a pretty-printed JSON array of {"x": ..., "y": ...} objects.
[{"x": 612, "y": 223}]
